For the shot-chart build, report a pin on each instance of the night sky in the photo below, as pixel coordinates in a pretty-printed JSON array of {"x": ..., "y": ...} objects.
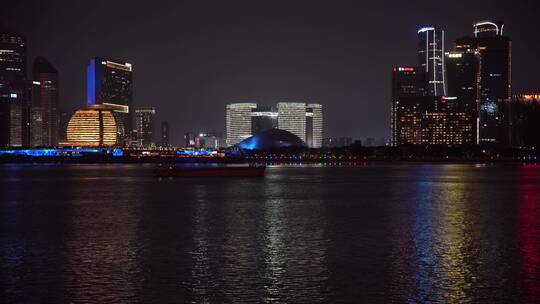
[{"x": 191, "y": 58}]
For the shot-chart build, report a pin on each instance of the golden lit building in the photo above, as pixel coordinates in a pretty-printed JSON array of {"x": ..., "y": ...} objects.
[{"x": 92, "y": 127}]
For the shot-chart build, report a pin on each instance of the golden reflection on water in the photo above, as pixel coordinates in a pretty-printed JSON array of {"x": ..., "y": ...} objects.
[{"x": 455, "y": 240}]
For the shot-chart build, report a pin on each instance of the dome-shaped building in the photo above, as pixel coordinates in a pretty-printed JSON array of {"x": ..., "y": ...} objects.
[
  {"x": 271, "y": 139},
  {"x": 92, "y": 127}
]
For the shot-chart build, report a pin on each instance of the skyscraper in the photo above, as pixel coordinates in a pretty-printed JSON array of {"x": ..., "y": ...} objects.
[
  {"x": 144, "y": 126},
  {"x": 238, "y": 122},
  {"x": 46, "y": 77},
  {"x": 109, "y": 83},
  {"x": 14, "y": 90},
  {"x": 495, "y": 74},
  {"x": 12, "y": 56},
  {"x": 463, "y": 75},
  {"x": 314, "y": 125},
  {"x": 431, "y": 59},
  {"x": 292, "y": 118},
  {"x": 408, "y": 85},
  {"x": 164, "y": 133}
]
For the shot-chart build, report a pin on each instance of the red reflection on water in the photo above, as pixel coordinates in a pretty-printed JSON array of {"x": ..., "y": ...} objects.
[{"x": 529, "y": 230}]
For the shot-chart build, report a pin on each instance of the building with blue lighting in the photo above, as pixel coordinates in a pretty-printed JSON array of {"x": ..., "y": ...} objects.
[
  {"x": 272, "y": 139},
  {"x": 110, "y": 83}
]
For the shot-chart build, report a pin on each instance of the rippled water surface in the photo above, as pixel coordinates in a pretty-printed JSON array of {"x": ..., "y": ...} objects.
[{"x": 303, "y": 234}]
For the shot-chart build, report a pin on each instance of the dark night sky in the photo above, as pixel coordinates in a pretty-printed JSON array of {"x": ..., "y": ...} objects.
[{"x": 191, "y": 58}]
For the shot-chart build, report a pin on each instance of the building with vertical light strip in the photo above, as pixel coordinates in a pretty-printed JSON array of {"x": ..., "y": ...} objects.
[
  {"x": 304, "y": 120},
  {"x": 431, "y": 59},
  {"x": 238, "y": 122},
  {"x": 495, "y": 75},
  {"x": 109, "y": 83},
  {"x": 314, "y": 125}
]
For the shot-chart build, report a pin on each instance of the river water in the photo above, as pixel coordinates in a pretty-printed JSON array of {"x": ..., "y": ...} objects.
[{"x": 382, "y": 233}]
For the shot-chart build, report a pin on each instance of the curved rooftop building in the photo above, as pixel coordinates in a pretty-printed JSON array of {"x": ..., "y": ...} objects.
[
  {"x": 272, "y": 139},
  {"x": 92, "y": 127}
]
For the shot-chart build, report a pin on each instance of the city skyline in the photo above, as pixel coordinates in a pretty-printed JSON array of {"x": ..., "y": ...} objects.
[{"x": 334, "y": 67}]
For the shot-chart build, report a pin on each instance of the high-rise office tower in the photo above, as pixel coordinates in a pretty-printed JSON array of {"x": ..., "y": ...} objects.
[
  {"x": 463, "y": 75},
  {"x": 109, "y": 82},
  {"x": 35, "y": 113},
  {"x": 144, "y": 126},
  {"x": 12, "y": 56},
  {"x": 314, "y": 125},
  {"x": 495, "y": 74},
  {"x": 408, "y": 85},
  {"x": 46, "y": 79},
  {"x": 13, "y": 99},
  {"x": 431, "y": 59},
  {"x": 238, "y": 122},
  {"x": 14, "y": 90},
  {"x": 292, "y": 118},
  {"x": 164, "y": 133}
]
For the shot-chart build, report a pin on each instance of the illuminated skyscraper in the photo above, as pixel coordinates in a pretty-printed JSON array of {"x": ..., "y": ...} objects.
[
  {"x": 46, "y": 81},
  {"x": 15, "y": 90},
  {"x": 12, "y": 56},
  {"x": 463, "y": 75},
  {"x": 144, "y": 126},
  {"x": 109, "y": 83},
  {"x": 238, "y": 122},
  {"x": 314, "y": 125},
  {"x": 408, "y": 85},
  {"x": 431, "y": 59},
  {"x": 292, "y": 118},
  {"x": 495, "y": 74}
]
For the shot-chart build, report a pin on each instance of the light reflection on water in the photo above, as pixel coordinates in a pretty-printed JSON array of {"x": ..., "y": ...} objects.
[{"x": 318, "y": 234}]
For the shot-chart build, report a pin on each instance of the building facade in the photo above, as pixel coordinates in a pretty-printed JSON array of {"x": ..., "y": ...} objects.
[
  {"x": 238, "y": 122},
  {"x": 292, "y": 118},
  {"x": 432, "y": 120},
  {"x": 431, "y": 59},
  {"x": 110, "y": 83},
  {"x": 304, "y": 120},
  {"x": 46, "y": 82},
  {"x": 94, "y": 126},
  {"x": 495, "y": 75},
  {"x": 314, "y": 125},
  {"x": 15, "y": 91},
  {"x": 144, "y": 126},
  {"x": 463, "y": 75},
  {"x": 408, "y": 83}
]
